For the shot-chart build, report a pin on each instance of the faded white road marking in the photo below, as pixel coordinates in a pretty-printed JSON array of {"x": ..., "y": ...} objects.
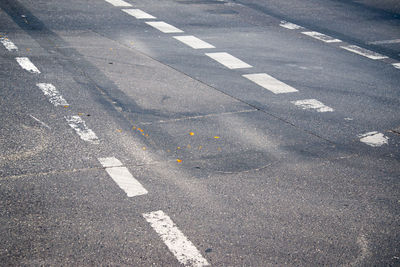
[
  {"x": 184, "y": 250},
  {"x": 396, "y": 65},
  {"x": 27, "y": 65},
  {"x": 374, "y": 139},
  {"x": 228, "y": 60},
  {"x": 289, "y": 25},
  {"x": 10, "y": 46},
  {"x": 39, "y": 121},
  {"x": 194, "y": 42},
  {"x": 163, "y": 27},
  {"x": 364, "y": 52},
  {"x": 394, "y": 41},
  {"x": 122, "y": 177},
  {"x": 322, "y": 37},
  {"x": 118, "y": 3},
  {"x": 52, "y": 94},
  {"x": 139, "y": 14},
  {"x": 81, "y": 129},
  {"x": 270, "y": 83},
  {"x": 312, "y": 104}
]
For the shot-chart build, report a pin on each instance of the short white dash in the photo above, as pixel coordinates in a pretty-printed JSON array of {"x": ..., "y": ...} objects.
[
  {"x": 163, "y": 27},
  {"x": 289, "y": 25},
  {"x": 10, "y": 46},
  {"x": 184, "y": 250},
  {"x": 194, "y": 42},
  {"x": 81, "y": 129},
  {"x": 374, "y": 139},
  {"x": 228, "y": 60},
  {"x": 322, "y": 37},
  {"x": 364, "y": 52},
  {"x": 122, "y": 177},
  {"x": 394, "y": 41},
  {"x": 41, "y": 122},
  {"x": 270, "y": 83},
  {"x": 118, "y": 3},
  {"x": 27, "y": 65},
  {"x": 312, "y": 104},
  {"x": 396, "y": 65},
  {"x": 139, "y": 14},
  {"x": 52, "y": 94}
]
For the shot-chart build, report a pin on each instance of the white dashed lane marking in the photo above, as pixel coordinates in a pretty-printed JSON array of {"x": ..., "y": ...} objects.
[
  {"x": 364, "y": 52},
  {"x": 184, "y": 250},
  {"x": 228, "y": 60},
  {"x": 52, "y": 94},
  {"x": 139, "y": 14},
  {"x": 10, "y": 46},
  {"x": 118, "y": 3},
  {"x": 289, "y": 25},
  {"x": 396, "y": 65},
  {"x": 27, "y": 65},
  {"x": 270, "y": 83},
  {"x": 322, "y": 37},
  {"x": 122, "y": 177},
  {"x": 312, "y": 104},
  {"x": 163, "y": 27},
  {"x": 395, "y": 41},
  {"x": 194, "y": 42},
  {"x": 79, "y": 125},
  {"x": 374, "y": 139}
]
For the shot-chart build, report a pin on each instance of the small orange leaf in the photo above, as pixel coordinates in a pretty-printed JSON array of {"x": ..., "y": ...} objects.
[{"x": 179, "y": 160}]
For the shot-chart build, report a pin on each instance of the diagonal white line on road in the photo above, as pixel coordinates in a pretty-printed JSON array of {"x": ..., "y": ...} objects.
[
  {"x": 27, "y": 65},
  {"x": 10, "y": 46},
  {"x": 312, "y": 104},
  {"x": 228, "y": 60},
  {"x": 52, "y": 94},
  {"x": 163, "y": 27},
  {"x": 396, "y": 65},
  {"x": 289, "y": 25},
  {"x": 79, "y": 125},
  {"x": 270, "y": 83},
  {"x": 118, "y": 3},
  {"x": 194, "y": 42},
  {"x": 364, "y": 52},
  {"x": 322, "y": 37},
  {"x": 139, "y": 14},
  {"x": 374, "y": 139}
]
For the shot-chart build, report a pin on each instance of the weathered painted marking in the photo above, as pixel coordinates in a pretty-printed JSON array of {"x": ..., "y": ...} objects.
[
  {"x": 184, "y": 250},
  {"x": 27, "y": 65},
  {"x": 364, "y": 52},
  {"x": 270, "y": 83},
  {"x": 396, "y": 65},
  {"x": 122, "y": 177},
  {"x": 194, "y": 42},
  {"x": 289, "y": 25},
  {"x": 10, "y": 46},
  {"x": 139, "y": 14},
  {"x": 52, "y": 94},
  {"x": 394, "y": 41},
  {"x": 81, "y": 129},
  {"x": 374, "y": 139},
  {"x": 164, "y": 27},
  {"x": 118, "y": 3},
  {"x": 228, "y": 60},
  {"x": 312, "y": 104},
  {"x": 39, "y": 121},
  {"x": 322, "y": 37}
]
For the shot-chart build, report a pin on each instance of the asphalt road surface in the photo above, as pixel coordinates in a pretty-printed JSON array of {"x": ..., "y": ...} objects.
[{"x": 199, "y": 132}]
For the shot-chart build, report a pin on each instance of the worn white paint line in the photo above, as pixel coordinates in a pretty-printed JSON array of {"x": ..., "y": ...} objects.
[
  {"x": 394, "y": 41},
  {"x": 322, "y": 37},
  {"x": 364, "y": 52},
  {"x": 118, "y": 3},
  {"x": 228, "y": 60},
  {"x": 312, "y": 104},
  {"x": 27, "y": 65},
  {"x": 164, "y": 27},
  {"x": 81, "y": 129},
  {"x": 194, "y": 42},
  {"x": 289, "y": 25},
  {"x": 52, "y": 94},
  {"x": 184, "y": 250},
  {"x": 139, "y": 14},
  {"x": 39, "y": 121},
  {"x": 396, "y": 65},
  {"x": 374, "y": 139},
  {"x": 270, "y": 83},
  {"x": 110, "y": 162},
  {"x": 10, "y": 46}
]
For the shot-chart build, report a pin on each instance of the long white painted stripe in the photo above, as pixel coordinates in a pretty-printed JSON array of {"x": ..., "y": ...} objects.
[
  {"x": 270, "y": 83},
  {"x": 163, "y": 27},
  {"x": 228, "y": 60},
  {"x": 10, "y": 46},
  {"x": 394, "y": 41},
  {"x": 139, "y": 14},
  {"x": 194, "y": 42},
  {"x": 374, "y": 139},
  {"x": 110, "y": 162},
  {"x": 184, "y": 250},
  {"x": 26, "y": 64},
  {"x": 364, "y": 52},
  {"x": 322, "y": 37},
  {"x": 81, "y": 129},
  {"x": 52, "y": 94},
  {"x": 312, "y": 104},
  {"x": 289, "y": 25},
  {"x": 396, "y": 65},
  {"x": 118, "y": 3}
]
